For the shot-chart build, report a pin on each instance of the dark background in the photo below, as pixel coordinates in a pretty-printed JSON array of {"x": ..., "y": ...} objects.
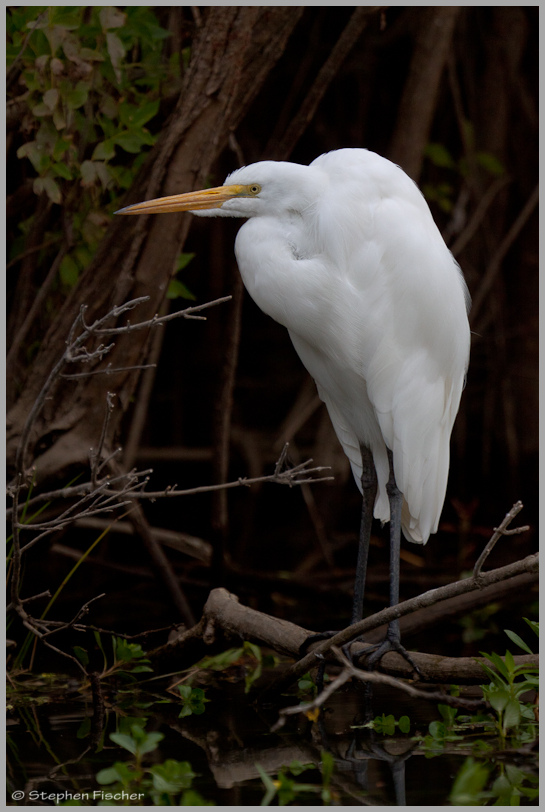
[{"x": 486, "y": 105}]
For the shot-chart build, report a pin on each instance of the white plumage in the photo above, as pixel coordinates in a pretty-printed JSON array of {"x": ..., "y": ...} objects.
[{"x": 346, "y": 255}]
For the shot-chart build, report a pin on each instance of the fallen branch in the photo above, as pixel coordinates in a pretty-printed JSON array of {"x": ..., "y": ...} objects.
[{"x": 225, "y": 619}]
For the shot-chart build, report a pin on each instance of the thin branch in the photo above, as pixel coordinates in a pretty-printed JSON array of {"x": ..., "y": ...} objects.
[
  {"x": 94, "y": 456},
  {"x": 478, "y": 215},
  {"x": 494, "y": 265},
  {"x": 433, "y": 596},
  {"x": 350, "y": 671},
  {"x": 348, "y": 38},
  {"x": 297, "y": 475},
  {"x": 498, "y": 533}
]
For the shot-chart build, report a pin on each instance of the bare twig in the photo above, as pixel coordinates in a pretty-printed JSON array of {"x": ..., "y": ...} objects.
[
  {"x": 350, "y": 671},
  {"x": 296, "y": 475},
  {"x": 498, "y": 533},
  {"x": 495, "y": 263},
  {"x": 528, "y": 564}
]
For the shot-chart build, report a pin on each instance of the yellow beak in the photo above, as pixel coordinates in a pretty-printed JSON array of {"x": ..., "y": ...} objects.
[{"x": 191, "y": 201}]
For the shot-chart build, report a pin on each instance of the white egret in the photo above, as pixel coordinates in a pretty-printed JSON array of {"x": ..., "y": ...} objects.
[{"x": 345, "y": 254}]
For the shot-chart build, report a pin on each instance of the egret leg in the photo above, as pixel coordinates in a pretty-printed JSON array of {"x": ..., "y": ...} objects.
[
  {"x": 392, "y": 641},
  {"x": 369, "y": 490}
]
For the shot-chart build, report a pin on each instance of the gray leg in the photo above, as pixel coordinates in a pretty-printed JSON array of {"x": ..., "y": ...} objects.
[
  {"x": 393, "y": 636},
  {"x": 369, "y": 488}
]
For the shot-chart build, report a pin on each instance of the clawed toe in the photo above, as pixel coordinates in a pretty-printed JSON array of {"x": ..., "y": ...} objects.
[{"x": 372, "y": 659}]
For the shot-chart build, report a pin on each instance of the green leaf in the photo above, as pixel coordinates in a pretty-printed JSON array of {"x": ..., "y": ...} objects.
[
  {"x": 116, "y": 52},
  {"x": 192, "y": 798},
  {"x": 104, "y": 151},
  {"x": 490, "y": 163},
  {"x": 60, "y": 148},
  {"x": 108, "y": 776},
  {"x": 81, "y": 654},
  {"x": 511, "y": 714},
  {"x": 509, "y": 662},
  {"x": 440, "y": 156},
  {"x": 50, "y": 187},
  {"x": 437, "y": 730},
  {"x": 134, "y": 117},
  {"x": 84, "y": 729},
  {"x": 270, "y": 786},
  {"x": 404, "y": 724},
  {"x": 533, "y": 624},
  {"x": 51, "y": 97},
  {"x": 78, "y": 96},
  {"x": 62, "y": 170},
  {"x": 88, "y": 173},
  {"x": 469, "y": 783},
  {"x": 36, "y": 155},
  {"x": 182, "y": 261},
  {"x": 125, "y": 741},
  {"x": 150, "y": 742},
  {"x": 498, "y": 699},
  {"x": 111, "y": 17},
  {"x": 172, "y": 775},
  {"x": 518, "y": 641},
  {"x": 133, "y": 140},
  {"x": 177, "y": 290}
]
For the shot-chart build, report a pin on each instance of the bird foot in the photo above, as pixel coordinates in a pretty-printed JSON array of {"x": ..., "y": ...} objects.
[{"x": 373, "y": 656}]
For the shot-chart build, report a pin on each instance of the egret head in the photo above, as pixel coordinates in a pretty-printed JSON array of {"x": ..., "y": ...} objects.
[{"x": 265, "y": 188}]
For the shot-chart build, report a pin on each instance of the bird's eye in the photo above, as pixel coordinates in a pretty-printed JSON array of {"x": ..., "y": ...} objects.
[{"x": 255, "y": 189}]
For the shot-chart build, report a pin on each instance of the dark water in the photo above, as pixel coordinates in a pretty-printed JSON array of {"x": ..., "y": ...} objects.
[{"x": 51, "y": 759}]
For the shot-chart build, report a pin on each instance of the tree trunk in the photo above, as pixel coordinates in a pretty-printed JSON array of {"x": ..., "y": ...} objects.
[
  {"x": 419, "y": 100},
  {"x": 232, "y": 54}
]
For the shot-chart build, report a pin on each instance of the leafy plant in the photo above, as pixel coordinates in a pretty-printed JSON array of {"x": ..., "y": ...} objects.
[
  {"x": 128, "y": 659},
  {"x": 386, "y": 724},
  {"x": 478, "y": 784},
  {"x": 89, "y": 82},
  {"x": 165, "y": 784},
  {"x": 249, "y": 656},
  {"x": 193, "y": 700},
  {"x": 443, "y": 193},
  {"x": 287, "y": 789},
  {"x": 508, "y": 683}
]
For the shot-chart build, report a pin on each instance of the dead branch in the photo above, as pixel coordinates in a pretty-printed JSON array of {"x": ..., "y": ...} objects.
[
  {"x": 498, "y": 533},
  {"x": 224, "y": 617},
  {"x": 419, "y": 100},
  {"x": 494, "y": 266},
  {"x": 350, "y": 671},
  {"x": 299, "y": 474},
  {"x": 280, "y": 149}
]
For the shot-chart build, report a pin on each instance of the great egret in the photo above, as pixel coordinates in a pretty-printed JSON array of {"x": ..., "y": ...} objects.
[{"x": 345, "y": 254}]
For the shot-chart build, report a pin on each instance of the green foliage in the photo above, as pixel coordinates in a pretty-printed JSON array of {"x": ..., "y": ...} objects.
[
  {"x": 385, "y": 725},
  {"x": 443, "y": 193},
  {"x": 248, "y": 655},
  {"x": 508, "y": 683},
  {"x": 128, "y": 659},
  {"x": 286, "y": 789},
  {"x": 91, "y": 79},
  {"x": 478, "y": 783},
  {"x": 193, "y": 700},
  {"x": 164, "y": 784},
  {"x": 306, "y": 686},
  {"x": 176, "y": 288}
]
